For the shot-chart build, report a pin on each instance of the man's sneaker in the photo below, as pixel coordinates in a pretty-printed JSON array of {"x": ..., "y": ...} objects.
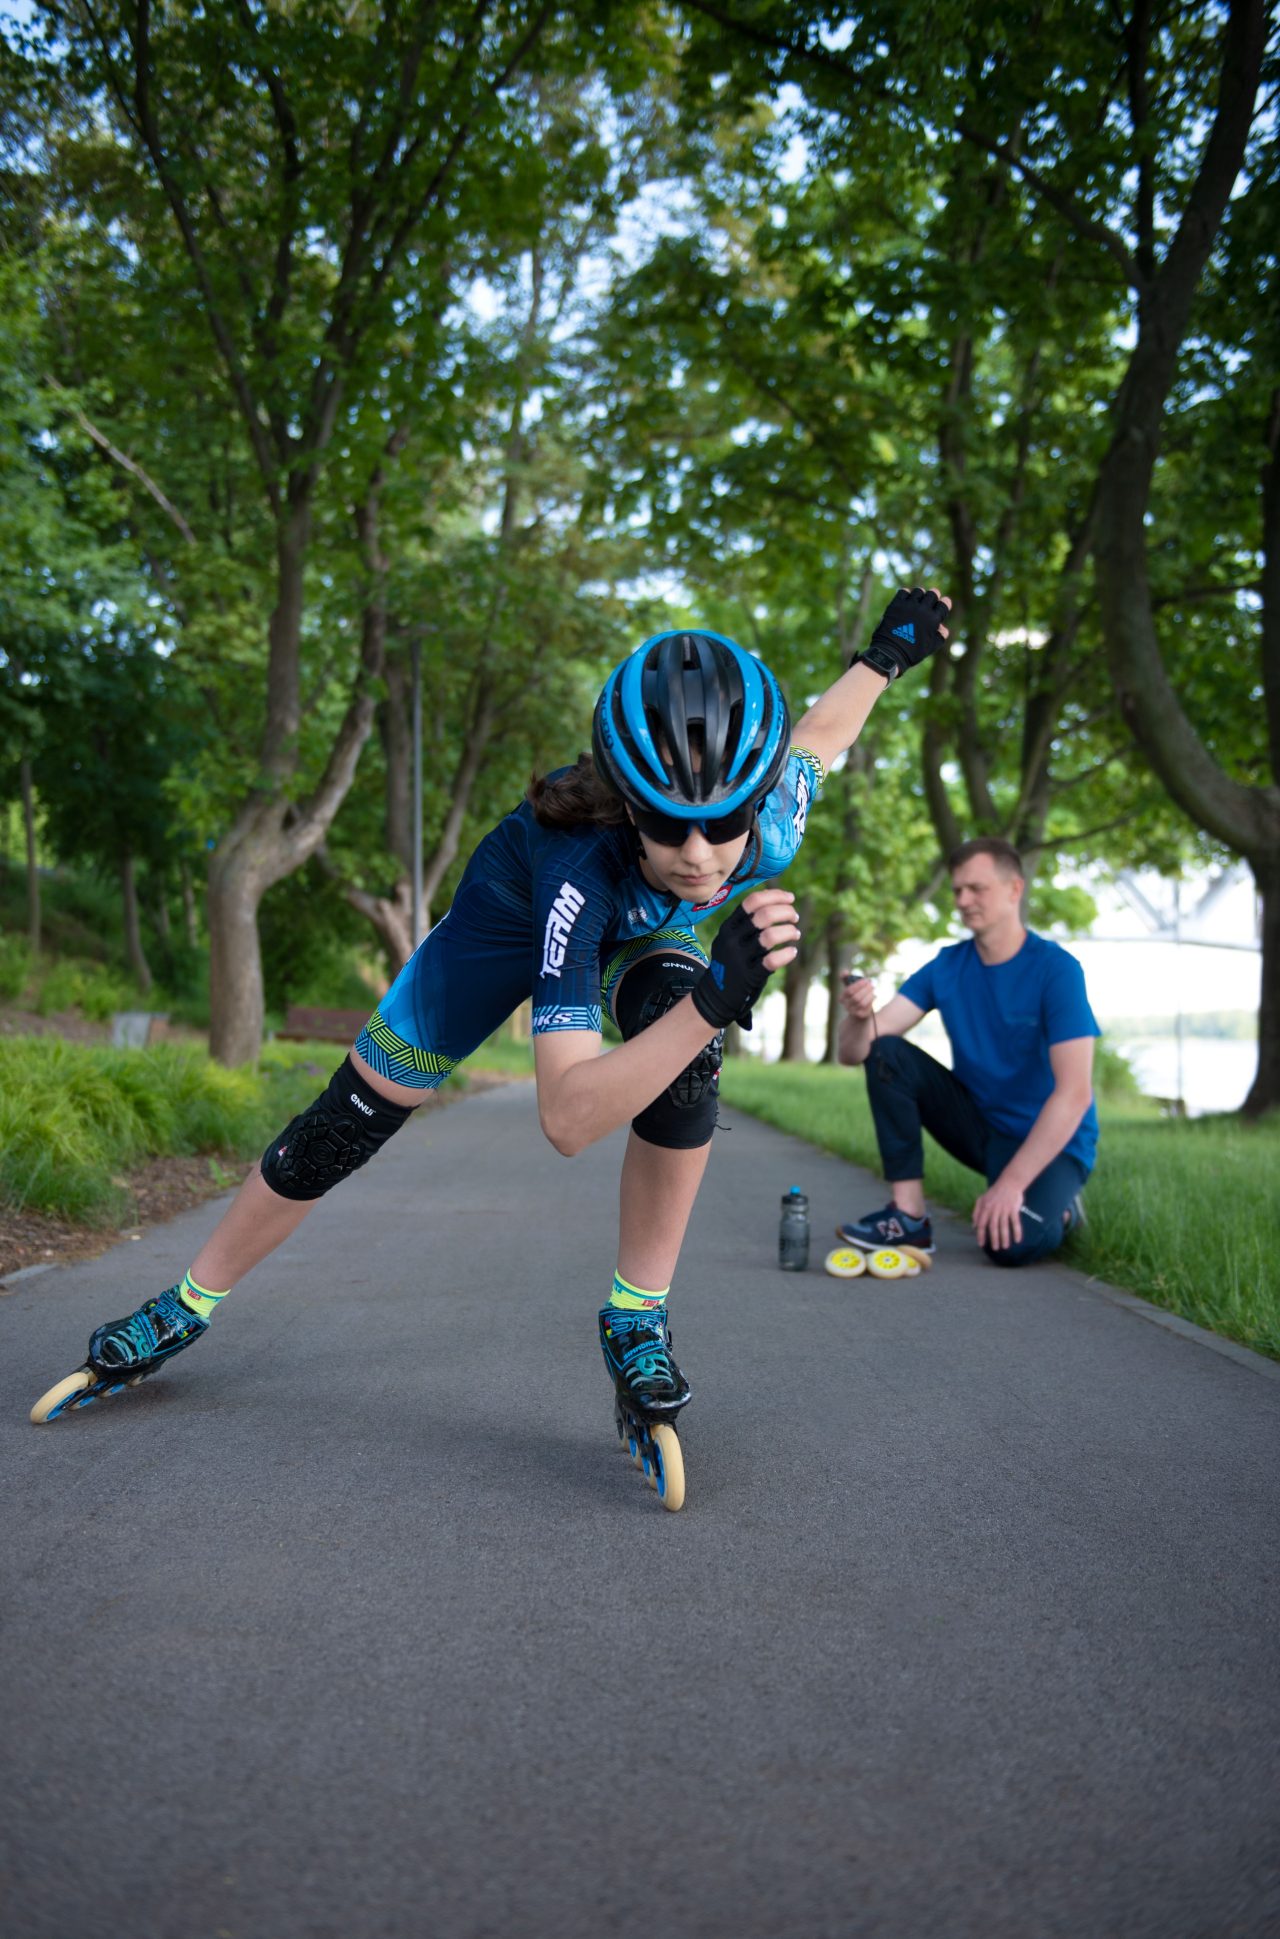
[
  {"x": 890, "y": 1227},
  {"x": 1074, "y": 1215}
]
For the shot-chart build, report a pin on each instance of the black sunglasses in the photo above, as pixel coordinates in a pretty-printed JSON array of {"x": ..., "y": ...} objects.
[{"x": 670, "y": 832}]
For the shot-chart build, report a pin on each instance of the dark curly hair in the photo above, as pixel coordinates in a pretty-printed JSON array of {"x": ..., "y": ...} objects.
[{"x": 575, "y": 797}]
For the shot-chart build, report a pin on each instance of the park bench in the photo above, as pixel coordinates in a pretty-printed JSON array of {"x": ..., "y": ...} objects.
[{"x": 304, "y": 1023}]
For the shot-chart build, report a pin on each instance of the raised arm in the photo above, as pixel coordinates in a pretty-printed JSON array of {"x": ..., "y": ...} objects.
[{"x": 912, "y": 628}]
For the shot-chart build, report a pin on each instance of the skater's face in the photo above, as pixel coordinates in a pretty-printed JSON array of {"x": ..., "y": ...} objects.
[{"x": 694, "y": 870}]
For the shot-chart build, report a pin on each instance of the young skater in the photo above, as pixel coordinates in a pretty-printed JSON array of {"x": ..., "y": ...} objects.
[{"x": 586, "y": 896}]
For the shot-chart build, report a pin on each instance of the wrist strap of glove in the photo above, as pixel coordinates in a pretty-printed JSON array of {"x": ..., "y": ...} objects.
[{"x": 909, "y": 632}]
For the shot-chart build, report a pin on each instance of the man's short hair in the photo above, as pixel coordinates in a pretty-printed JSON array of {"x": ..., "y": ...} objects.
[{"x": 1003, "y": 854}]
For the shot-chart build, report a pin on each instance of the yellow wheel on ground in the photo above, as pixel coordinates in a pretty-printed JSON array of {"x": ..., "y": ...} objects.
[
  {"x": 75, "y": 1383},
  {"x": 668, "y": 1466},
  {"x": 846, "y": 1262},
  {"x": 889, "y": 1264},
  {"x": 922, "y": 1258}
]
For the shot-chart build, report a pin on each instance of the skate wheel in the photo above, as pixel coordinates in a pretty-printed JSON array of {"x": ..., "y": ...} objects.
[
  {"x": 846, "y": 1262},
  {"x": 918, "y": 1257},
  {"x": 50, "y": 1405},
  {"x": 889, "y": 1264},
  {"x": 668, "y": 1466}
]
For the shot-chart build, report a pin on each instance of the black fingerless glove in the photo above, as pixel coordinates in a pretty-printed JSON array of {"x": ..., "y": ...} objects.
[
  {"x": 909, "y": 632},
  {"x": 735, "y": 976}
]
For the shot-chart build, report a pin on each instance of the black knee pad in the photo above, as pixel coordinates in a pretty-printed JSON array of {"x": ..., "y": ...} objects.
[
  {"x": 333, "y": 1137},
  {"x": 682, "y": 1117}
]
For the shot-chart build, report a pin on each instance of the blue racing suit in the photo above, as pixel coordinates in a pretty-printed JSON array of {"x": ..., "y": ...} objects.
[{"x": 558, "y": 915}]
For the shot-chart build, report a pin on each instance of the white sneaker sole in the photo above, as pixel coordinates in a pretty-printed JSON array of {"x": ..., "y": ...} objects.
[{"x": 879, "y": 1245}]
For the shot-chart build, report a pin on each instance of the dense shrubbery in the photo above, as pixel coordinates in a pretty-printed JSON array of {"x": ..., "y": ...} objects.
[
  {"x": 73, "y": 1117},
  {"x": 315, "y": 950},
  {"x": 1113, "y": 1075},
  {"x": 93, "y": 989},
  {"x": 15, "y": 967}
]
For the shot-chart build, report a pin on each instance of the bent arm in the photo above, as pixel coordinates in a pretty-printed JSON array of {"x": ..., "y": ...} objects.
[
  {"x": 857, "y": 1034},
  {"x": 584, "y": 1095},
  {"x": 1060, "y": 1114}
]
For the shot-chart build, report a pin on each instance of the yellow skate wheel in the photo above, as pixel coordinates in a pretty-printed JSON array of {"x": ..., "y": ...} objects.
[
  {"x": 667, "y": 1462},
  {"x": 846, "y": 1262},
  {"x": 75, "y": 1383},
  {"x": 918, "y": 1256},
  {"x": 888, "y": 1264}
]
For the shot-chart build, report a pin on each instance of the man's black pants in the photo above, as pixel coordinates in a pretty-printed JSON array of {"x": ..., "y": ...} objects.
[{"x": 911, "y": 1092}]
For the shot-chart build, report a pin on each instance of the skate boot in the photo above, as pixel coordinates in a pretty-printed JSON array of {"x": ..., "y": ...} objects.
[
  {"x": 123, "y": 1352},
  {"x": 649, "y": 1391}
]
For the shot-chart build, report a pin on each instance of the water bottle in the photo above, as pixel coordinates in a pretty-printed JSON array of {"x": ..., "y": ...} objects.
[{"x": 793, "y": 1232}]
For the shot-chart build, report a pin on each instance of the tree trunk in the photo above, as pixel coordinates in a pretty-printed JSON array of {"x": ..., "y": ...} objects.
[
  {"x": 837, "y": 962},
  {"x": 395, "y": 729},
  {"x": 796, "y": 983},
  {"x": 269, "y": 839},
  {"x": 190, "y": 928},
  {"x": 33, "y": 874},
  {"x": 1245, "y": 817},
  {"x": 1264, "y": 1093},
  {"x": 390, "y": 915},
  {"x": 796, "y": 979},
  {"x": 132, "y": 926},
  {"x": 272, "y": 836},
  {"x": 236, "y": 1001}
]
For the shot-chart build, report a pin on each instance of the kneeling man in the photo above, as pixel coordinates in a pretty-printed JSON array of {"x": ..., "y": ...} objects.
[{"x": 1018, "y": 1105}]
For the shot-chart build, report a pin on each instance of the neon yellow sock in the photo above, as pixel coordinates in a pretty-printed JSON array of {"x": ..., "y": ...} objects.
[
  {"x": 634, "y": 1299},
  {"x": 199, "y": 1298}
]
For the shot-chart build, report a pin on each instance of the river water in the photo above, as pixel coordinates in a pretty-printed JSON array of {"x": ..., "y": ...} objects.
[{"x": 1216, "y": 1071}]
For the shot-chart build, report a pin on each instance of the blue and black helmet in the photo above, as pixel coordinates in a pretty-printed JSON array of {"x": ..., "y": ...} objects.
[{"x": 686, "y": 693}]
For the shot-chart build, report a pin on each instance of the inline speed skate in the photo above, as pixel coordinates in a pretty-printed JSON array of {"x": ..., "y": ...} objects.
[
  {"x": 649, "y": 1391},
  {"x": 123, "y": 1352}
]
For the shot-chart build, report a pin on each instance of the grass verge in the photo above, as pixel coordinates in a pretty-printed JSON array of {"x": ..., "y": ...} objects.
[
  {"x": 1185, "y": 1213},
  {"x": 74, "y": 1117}
]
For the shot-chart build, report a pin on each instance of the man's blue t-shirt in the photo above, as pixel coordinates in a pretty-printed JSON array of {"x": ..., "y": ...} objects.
[{"x": 1001, "y": 1019}]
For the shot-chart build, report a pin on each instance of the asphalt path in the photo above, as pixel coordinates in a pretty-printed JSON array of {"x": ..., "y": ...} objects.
[{"x": 355, "y": 1621}]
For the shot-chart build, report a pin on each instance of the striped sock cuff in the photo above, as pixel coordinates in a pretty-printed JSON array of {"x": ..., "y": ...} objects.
[
  {"x": 199, "y": 1298},
  {"x": 635, "y": 1299}
]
